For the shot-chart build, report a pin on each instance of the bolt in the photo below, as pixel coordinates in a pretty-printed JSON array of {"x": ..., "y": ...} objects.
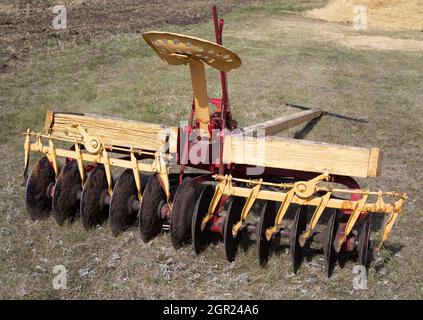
[
  {"x": 94, "y": 143},
  {"x": 301, "y": 187}
]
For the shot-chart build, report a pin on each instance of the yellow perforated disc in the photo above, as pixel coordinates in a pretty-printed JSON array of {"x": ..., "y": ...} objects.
[{"x": 177, "y": 49}]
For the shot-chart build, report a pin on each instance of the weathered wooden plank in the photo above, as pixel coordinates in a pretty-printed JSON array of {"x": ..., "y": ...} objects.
[
  {"x": 278, "y": 152},
  {"x": 282, "y": 123},
  {"x": 112, "y": 131},
  {"x": 375, "y": 162}
]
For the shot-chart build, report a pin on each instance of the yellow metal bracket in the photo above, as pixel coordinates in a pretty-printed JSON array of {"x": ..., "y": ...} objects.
[
  {"x": 352, "y": 220},
  {"x": 314, "y": 219},
  {"x": 166, "y": 184},
  {"x": 307, "y": 189},
  {"x": 281, "y": 213},
  {"x": 106, "y": 162},
  {"x": 80, "y": 163},
  {"x": 218, "y": 192},
  {"x": 136, "y": 174},
  {"x": 91, "y": 144},
  {"x": 247, "y": 207},
  {"x": 27, "y": 150},
  {"x": 159, "y": 167},
  {"x": 53, "y": 157},
  {"x": 393, "y": 215}
]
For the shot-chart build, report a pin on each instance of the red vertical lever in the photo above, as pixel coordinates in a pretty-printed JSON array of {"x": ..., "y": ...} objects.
[
  {"x": 218, "y": 30},
  {"x": 225, "y": 114}
]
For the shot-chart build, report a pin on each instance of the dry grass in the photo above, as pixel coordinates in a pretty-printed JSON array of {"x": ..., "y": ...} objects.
[
  {"x": 283, "y": 61},
  {"x": 382, "y": 14}
]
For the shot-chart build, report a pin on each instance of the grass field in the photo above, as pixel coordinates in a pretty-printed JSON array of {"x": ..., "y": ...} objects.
[{"x": 286, "y": 58}]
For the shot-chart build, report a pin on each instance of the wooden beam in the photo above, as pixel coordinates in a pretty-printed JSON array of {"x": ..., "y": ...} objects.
[
  {"x": 274, "y": 126},
  {"x": 375, "y": 162},
  {"x": 113, "y": 131},
  {"x": 278, "y": 152}
]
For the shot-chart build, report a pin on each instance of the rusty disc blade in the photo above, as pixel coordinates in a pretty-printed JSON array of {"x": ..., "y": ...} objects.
[
  {"x": 363, "y": 248},
  {"x": 267, "y": 220},
  {"x": 153, "y": 198},
  {"x": 234, "y": 215},
  {"x": 121, "y": 211},
  {"x": 37, "y": 201},
  {"x": 94, "y": 210},
  {"x": 330, "y": 255},
  {"x": 67, "y": 193},
  {"x": 298, "y": 227},
  {"x": 182, "y": 210},
  {"x": 201, "y": 238}
]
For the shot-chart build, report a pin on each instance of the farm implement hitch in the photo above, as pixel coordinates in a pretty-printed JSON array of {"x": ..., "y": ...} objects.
[{"x": 101, "y": 168}]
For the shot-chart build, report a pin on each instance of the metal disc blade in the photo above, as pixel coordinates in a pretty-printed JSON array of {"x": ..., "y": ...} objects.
[
  {"x": 201, "y": 238},
  {"x": 364, "y": 242},
  {"x": 267, "y": 219},
  {"x": 94, "y": 210},
  {"x": 121, "y": 211},
  {"x": 37, "y": 201},
  {"x": 234, "y": 215},
  {"x": 67, "y": 193},
  {"x": 153, "y": 198},
  {"x": 328, "y": 238},
  {"x": 298, "y": 227},
  {"x": 182, "y": 210}
]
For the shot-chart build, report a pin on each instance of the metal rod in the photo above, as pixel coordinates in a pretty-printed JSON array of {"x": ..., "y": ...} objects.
[
  {"x": 263, "y": 183},
  {"x": 329, "y": 113},
  {"x": 376, "y": 193}
]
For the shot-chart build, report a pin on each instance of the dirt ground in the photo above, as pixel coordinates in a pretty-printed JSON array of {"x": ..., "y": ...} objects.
[
  {"x": 102, "y": 65},
  {"x": 26, "y": 25}
]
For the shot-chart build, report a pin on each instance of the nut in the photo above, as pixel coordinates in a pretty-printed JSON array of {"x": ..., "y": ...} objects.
[
  {"x": 94, "y": 143},
  {"x": 301, "y": 187}
]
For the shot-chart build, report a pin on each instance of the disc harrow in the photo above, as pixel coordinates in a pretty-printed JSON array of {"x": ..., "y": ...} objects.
[{"x": 306, "y": 189}]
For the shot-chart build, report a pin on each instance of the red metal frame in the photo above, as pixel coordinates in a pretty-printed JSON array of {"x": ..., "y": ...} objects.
[{"x": 221, "y": 119}]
